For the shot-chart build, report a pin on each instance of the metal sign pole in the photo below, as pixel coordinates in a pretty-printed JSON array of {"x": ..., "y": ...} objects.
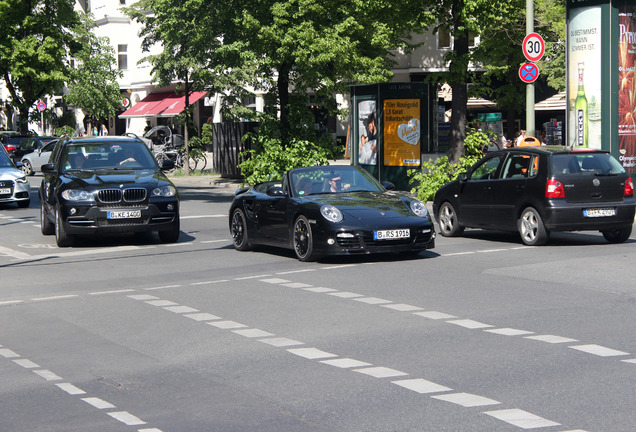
[{"x": 530, "y": 128}]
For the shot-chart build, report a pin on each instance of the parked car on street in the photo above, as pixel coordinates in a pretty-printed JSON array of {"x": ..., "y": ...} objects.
[
  {"x": 31, "y": 144},
  {"x": 537, "y": 190},
  {"x": 12, "y": 141},
  {"x": 14, "y": 186},
  {"x": 326, "y": 210},
  {"x": 32, "y": 162},
  {"x": 101, "y": 185}
]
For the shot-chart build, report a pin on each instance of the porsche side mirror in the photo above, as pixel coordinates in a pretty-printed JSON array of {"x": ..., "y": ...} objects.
[
  {"x": 388, "y": 185},
  {"x": 275, "y": 191},
  {"x": 462, "y": 177}
]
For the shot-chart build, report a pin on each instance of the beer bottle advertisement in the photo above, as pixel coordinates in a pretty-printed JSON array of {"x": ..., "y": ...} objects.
[{"x": 584, "y": 77}]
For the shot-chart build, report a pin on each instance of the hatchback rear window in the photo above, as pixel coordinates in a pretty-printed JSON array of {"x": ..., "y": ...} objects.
[{"x": 585, "y": 163}]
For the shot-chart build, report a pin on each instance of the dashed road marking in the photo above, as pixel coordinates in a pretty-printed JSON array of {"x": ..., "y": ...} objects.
[
  {"x": 466, "y": 400},
  {"x": 599, "y": 350},
  {"x": 469, "y": 324},
  {"x": 98, "y": 403},
  {"x": 380, "y": 372},
  {"x": 522, "y": 419},
  {"x": 311, "y": 353},
  {"x": 422, "y": 386}
]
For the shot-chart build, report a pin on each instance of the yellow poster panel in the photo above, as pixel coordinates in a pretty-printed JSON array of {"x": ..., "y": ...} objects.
[{"x": 402, "y": 130}]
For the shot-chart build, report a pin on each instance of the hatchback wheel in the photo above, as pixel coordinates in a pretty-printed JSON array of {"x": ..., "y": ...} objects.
[
  {"x": 238, "y": 229},
  {"x": 448, "y": 224},
  {"x": 531, "y": 228},
  {"x": 618, "y": 235},
  {"x": 303, "y": 240}
]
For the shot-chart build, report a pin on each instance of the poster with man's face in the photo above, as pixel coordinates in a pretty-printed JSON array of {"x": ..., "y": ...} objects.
[{"x": 368, "y": 139}]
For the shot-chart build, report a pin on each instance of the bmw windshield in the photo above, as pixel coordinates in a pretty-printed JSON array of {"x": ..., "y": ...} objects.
[{"x": 95, "y": 156}]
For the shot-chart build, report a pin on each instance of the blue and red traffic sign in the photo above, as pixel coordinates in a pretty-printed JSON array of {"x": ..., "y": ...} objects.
[
  {"x": 41, "y": 106},
  {"x": 528, "y": 72}
]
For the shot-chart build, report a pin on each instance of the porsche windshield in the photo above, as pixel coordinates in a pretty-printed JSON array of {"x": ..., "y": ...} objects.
[
  {"x": 332, "y": 179},
  {"x": 94, "y": 156}
]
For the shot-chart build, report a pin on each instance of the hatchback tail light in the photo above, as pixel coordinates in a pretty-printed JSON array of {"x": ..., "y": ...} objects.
[
  {"x": 9, "y": 147},
  {"x": 629, "y": 187},
  {"x": 554, "y": 189}
]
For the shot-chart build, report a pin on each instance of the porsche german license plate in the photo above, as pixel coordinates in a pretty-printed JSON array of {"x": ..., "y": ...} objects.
[
  {"x": 124, "y": 214},
  {"x": 391, "y": 234},
  {"x": 603, "y": 212}
]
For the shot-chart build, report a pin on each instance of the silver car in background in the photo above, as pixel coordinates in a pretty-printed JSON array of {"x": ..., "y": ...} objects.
[
  {"x": 32, "y": 162},
  {"x": 14, "y": 186}
]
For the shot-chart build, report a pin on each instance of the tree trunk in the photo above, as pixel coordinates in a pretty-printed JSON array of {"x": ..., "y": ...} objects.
[
  {"x": 458, "y": 71},
  {"x": 186, "y": 158},
  {"x": 458, "y": 122},
  {"x": 282, "y": 86}
]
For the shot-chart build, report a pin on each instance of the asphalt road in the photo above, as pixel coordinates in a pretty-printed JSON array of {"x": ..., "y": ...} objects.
[{"x": 479, "y": 334}]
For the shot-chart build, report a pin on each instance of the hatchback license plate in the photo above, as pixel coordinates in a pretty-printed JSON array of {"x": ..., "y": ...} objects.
[
  {"x": 124, "y": 214},
  {"x": 5, "y": 191},
  {"x": 391, "y": 234},
  {"x": 604, "y": 212}
]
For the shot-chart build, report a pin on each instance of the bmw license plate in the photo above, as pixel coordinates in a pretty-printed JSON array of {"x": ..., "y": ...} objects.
[
  {"x": 5, "y": 191},
  {"x": 391, "y": 234},
  {"x": 603, "y": 212},
  {"x": 124, "y": 214}
]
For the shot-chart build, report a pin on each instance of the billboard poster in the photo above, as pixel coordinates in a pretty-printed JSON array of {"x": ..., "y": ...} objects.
[
  {"x": 402, "y": 131},
  {"x": 627, "y": 87},
  {"x": 584, "y": 77},
  {"x": 367, "y": 125}
]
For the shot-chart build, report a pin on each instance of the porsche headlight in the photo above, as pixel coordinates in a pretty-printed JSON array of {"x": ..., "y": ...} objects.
[
  {"x": 164, "y": 191},
  {"x": 419, "y": 209},
  {"x": 331, "y": 213},
  {"x": 77, "y": 195}
]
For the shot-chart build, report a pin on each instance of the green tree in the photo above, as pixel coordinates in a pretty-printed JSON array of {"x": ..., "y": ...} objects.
[{"x": 92, "y": 83}]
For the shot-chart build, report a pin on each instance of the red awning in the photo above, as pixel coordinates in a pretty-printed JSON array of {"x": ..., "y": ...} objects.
[{"x": 161, "y": 105}]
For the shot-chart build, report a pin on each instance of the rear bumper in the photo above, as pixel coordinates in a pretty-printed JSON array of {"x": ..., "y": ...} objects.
[{"x": 561, "y": 217}]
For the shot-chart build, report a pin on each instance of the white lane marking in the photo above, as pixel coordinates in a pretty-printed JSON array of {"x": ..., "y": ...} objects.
[
  {"x": 551, "y": 339},
  {"x": 335, "y": 267},
  {"x": 520, "y": 418},
  {"x": 311, "y": 353},
  {"x": 149, "y": 430},
  {"x": 14, "y": 253},
  {"x": 320, "y": 290},
  {"x": 126, "y": 418},
  {"x": 203, "y": 216},
  {"x": 372, "y": 300},
  {"x": 202, "y": 316},
  {"x": 630, "y": 361},
  {"x": 98, "y": 403},
  {"x": 296, "y": 285},
  {"x": 345, "y": 294},
  {"x": 226, "y": 325},
  {"x": 161, "y": 303},
  {"x": 466, "y": 400},
  {"x": 281, "y": 342},
  {"x": 10, "y": 302},
  {"x": 177, "y": 244},
  {"x": 70, "y": 389},
  {"x": 253, "y": 333},
  {"x": 599, "y": 350},
  {"x": 143, "y": 297},
  {"x": 61, "y": 297},
  {"x": 27, "y": 364},
  {"x": 112, "y": 292},
  {"x": 345, "y": 363},
  {"x": 381, "y": 372},
  {"x": 422, "y": 386},
  {"x": 509, "y": 332},
  {"x": 47, "y": 375},
  {"x": 162, "y": 287},
  {"x": 116, "y": 249},
  {"x": 275, "y": 281},
  {"x": 401, "y": 307},
  {"x": 434, "y": 315},
  {"x": 469, "y": 324},
  {"x": 251, "y": 277},
  {"x": 7, "y": 353},
  {"x": 180, "y": 309},
  {"x": 296, "y": 271},
  {"x": 209, "y": 282},
  {"x": 215, "y": 241}
]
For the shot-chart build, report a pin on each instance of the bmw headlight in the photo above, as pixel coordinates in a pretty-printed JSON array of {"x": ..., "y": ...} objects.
[
  {"x": 419, "y": 209},
  {"x": 331, "y": 213},
  {"x": 164, "y": 191},
  {"x": 77, "y": 195}
]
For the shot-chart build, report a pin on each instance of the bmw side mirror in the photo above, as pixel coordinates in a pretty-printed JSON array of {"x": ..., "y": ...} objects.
[
  {"x": 167, "y": 164},
  {"x": 47, "y": 168}
]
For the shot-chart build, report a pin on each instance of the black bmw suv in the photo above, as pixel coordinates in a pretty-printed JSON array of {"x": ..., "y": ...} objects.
[
  {"x": 104, "y": 185},
  {"x": 536, "y": 190}
]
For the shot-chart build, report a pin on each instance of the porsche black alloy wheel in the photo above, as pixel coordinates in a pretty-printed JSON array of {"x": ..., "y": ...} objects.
[
  {"x": 303, "y": 240},
  {"x": 238, "y": 229}
]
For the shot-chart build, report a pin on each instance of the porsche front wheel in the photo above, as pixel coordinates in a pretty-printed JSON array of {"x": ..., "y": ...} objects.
[
  {"x": 238, "y": 229},
  {"x": 303, "y": 240}
]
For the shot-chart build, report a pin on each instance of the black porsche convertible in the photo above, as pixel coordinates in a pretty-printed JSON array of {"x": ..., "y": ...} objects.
[{"x": 329, "y": 210}]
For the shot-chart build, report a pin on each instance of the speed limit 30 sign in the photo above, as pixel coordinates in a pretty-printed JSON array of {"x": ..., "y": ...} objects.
[{"x": 533, "y": 47}]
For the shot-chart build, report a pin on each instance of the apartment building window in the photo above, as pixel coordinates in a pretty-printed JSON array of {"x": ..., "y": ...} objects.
[
  {"x": 122, "y": 57},
  {"x": 443, "y": 39},
  {"x": 122, "y": 2}
]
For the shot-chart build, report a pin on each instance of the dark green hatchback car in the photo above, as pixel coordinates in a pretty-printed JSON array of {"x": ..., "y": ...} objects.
[{"x": 106, "y": 185}]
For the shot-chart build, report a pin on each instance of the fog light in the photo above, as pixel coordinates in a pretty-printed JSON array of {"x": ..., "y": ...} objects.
[
  {"x": 331, "y": 242},
  {"x": 170, "y": 207},
  {"x": 72, "y": 211}
]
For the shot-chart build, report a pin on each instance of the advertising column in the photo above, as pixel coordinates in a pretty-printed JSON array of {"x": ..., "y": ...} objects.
[
  {"x": 627, "y": 86},
  {"x": 402, "y": 132},
  {"x": 584, "y": 77}
]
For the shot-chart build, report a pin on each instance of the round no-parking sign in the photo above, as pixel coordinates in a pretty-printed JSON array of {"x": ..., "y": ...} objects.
[
  {"x": 528, "y": 72},
  {"x": 41, "y": 106}
]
